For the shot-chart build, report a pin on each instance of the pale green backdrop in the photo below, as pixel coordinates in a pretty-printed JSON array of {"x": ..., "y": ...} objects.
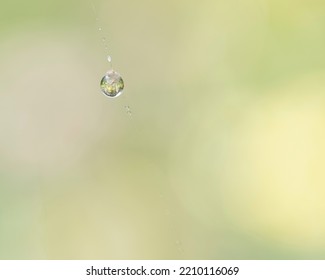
[{"x": 221, "y": 156}]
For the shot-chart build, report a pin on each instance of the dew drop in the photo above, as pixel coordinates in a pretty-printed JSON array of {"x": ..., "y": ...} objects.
[
  {"x": 179, "y": 246},
  {"x": 99, "y": 28},
  {"x": 128, "y": 110},
  {"x": 112, "y": 84},
  {"x": 109, "y": 58}
]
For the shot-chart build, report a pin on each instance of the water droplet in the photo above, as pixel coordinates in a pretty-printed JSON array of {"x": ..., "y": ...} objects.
[
  {"x": 99, "y": 28},
  {"x": 179, "y": 246},
  {"x": 128, "y": 110},
  {"x": 112, "y": 84},
  {"x": 109, "y": 59}
]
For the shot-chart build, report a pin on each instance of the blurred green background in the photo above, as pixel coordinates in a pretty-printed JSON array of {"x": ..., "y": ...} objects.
[{"x": 223, "y": 156}]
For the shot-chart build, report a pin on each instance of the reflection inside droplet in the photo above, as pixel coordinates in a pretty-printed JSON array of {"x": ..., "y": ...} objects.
[{"x": 112, "y": 84}]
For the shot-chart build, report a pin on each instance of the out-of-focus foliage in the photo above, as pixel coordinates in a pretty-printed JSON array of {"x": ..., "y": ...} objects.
[{"x": 222, "y": 157}]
